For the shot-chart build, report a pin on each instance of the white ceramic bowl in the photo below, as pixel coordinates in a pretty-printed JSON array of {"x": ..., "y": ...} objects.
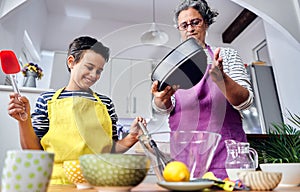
[
  {"x": 259, "y": 180},
  {"x": 27, "y": 170},
  {"x": 290, "y": 172}
]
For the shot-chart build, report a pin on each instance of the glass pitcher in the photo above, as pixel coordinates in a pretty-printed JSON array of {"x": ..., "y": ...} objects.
[{"x": 240, "y": 157}]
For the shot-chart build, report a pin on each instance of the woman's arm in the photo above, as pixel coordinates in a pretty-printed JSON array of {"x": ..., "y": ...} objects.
[{"x": 229, "y": 73}]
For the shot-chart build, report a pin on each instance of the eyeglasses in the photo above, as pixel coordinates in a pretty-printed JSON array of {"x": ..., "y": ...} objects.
[{"x": 194, "y": 23}]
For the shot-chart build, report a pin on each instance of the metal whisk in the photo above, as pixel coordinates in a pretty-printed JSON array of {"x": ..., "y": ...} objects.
[{"x": 162, "y": 158}]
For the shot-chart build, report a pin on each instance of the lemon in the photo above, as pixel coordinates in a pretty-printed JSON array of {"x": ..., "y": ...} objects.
[{"x": 176, "y": 171}]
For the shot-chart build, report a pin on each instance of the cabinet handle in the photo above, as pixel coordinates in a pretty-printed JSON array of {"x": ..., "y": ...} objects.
[
  {"x": 127, "y": 105},
  {"x": 134, "y": 104}
]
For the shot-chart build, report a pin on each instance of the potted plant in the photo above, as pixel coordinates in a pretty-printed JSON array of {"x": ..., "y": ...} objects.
[
  {"x": 34, "y": 68},
  {"x": 31, "y": 72},
  {"x": 280, "y": 151}
]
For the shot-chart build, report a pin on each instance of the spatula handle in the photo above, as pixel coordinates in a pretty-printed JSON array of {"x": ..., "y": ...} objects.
[
  {"x": 24, "y": 115},
  {"x": 14, "y": 83}
]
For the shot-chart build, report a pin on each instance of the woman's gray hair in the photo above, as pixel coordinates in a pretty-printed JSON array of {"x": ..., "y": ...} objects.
[{"x": 201, "y": 6}]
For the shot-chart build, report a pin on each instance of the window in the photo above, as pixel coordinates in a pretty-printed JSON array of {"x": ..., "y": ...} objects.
[{"x": 261, "y": 53}]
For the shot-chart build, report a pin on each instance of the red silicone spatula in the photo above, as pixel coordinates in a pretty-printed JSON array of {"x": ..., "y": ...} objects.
[{"x": 10, "y": 66}]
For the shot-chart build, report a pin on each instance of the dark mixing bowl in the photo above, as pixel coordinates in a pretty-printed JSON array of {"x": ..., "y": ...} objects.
[{"x": 184, "y": 66}]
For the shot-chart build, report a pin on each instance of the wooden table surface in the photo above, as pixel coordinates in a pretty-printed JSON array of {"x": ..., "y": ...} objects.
[{"x": 148, "y": 187}]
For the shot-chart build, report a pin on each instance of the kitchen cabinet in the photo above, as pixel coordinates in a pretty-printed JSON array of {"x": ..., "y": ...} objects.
[
  {"x": 130, "y": 85},
  {"x": 60, "y": 75}
]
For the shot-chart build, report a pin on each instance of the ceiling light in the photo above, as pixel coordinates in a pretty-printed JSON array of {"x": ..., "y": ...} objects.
[{"x": 154, "y": 35}]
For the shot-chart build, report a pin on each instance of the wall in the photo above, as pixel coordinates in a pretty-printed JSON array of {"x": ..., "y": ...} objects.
[
  {"x": 284, "y": 15},
  {"x": 7, "y": 6},
  {"x": 122, "y": 38},
  {"x": 285, "y": 59},
  {"x": 281, "y": 22},
  {"x": 245, "y": 46},
  {"x": 242, "y": 43},
  {"x": 13, "y": 24}
]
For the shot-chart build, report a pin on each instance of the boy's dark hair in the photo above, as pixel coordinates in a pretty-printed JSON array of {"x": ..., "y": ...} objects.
[{"x": 80, "y": 44}]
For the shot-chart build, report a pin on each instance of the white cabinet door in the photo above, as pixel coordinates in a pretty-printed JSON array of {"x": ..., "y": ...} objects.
[
  {"x": 140, "y": 88},
  {"x": 60, "y": 74},
  {"x": 120, "y": 85},
  {"x": 130, "y": 87},
  {"x": 103, "y": 85}
]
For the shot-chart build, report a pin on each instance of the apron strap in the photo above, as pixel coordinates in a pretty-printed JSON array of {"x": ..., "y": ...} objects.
[
  {"x": 98, "y": 99},
  {"x": 57, "y": 93},
  {"x": 211, "y": 53}
]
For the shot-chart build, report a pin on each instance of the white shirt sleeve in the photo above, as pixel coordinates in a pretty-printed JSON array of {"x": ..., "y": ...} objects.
[
  {"x": 236, "y": 70},
  {"x": 246, "y": 104},
  {"x": 164, "y": 111}
]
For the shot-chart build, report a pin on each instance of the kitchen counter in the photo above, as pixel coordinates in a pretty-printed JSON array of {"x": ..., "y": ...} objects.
[
  {"x": 9, "y": 89},
  {"x": 150, "y": 187}
]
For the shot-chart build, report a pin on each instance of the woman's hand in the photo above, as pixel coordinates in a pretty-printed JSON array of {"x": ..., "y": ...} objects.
[
  {"x": 216, "y": 71},
  {"x": 162, "y": 99},
  {"x": 18, "y": 105},
  {"x": 234, "y": 93}
]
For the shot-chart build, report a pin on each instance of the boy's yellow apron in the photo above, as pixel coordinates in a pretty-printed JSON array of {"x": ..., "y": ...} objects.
[{"x": 77, "y": 126}]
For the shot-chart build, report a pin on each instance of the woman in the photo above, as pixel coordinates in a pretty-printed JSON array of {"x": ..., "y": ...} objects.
[
  {"x": 74, "y": 120},
  {"x": 214, "y": 103}
]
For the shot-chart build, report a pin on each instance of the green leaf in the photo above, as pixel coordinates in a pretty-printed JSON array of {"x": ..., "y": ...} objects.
[{"x": 283, "y": 143}]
